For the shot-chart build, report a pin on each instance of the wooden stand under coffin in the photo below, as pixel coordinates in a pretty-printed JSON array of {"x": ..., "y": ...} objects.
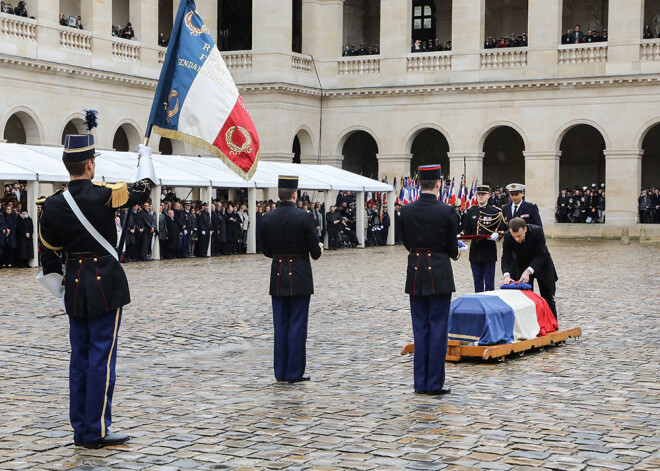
[{"x": 456, "y": 351}]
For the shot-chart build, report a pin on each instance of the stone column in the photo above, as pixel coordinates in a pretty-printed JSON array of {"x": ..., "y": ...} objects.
[
  {"x": 271, "y": 26},
  {"x": 47, "y": 14},
  {"x": 469, "y": 163},
  {"x": 395, "y": 35},
  {"x": 544, "y": 35},
  {"x": 393, "y": 165},
  {"x": 97, "y": 18},
  {"x": 332, "y": 160},
  {"x": 467, "y": 36},
  {"x": 623, "y": 180},
  {"x": 144, "y": 18},
  {"x": 542, "y": 182},
  {"x": 284, "y": 157},
  {"x": 626, "y": 19},
  {"x": 209, "y": 12},
  {"x": 324, "y": 16}
]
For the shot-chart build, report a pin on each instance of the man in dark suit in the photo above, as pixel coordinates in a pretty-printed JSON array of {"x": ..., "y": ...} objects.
[
  {"x": 520, "y": 208},
  {"x": 203, "y": 230},
  {"x": 526, "y": 258},
  {"x": 562, "y": 206},
  {"x": 428, "y": 231},
  {"x": 577, "y": 36},
  {"x": 567, "y": 38},
  {"x": 487, "y": 220},
  {"x": 289, "y": 237},
  {"x": 95, "y": 286}
]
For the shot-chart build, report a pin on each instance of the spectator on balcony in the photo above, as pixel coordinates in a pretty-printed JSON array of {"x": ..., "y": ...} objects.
[
  {"x": 62, "y": 19},
  {"x": 502, "y": 43},
  {"x": 448, "y": 46},
  {"x": 568, "y": 37},
  {"x": 376, "y": 50},
  {"x": 647, "y": 33},
  {"x": 577, "y": 36},
  {"x": 20, "y": 10},
  {"x": 79, "y": 24},
  {"x": 7, "y": 8},
  {"x": 417, "y": 46},
  {"x": 347, "y": 51},
  {"x": 513, "y": 41},
  {"x": 116, "y": 31},
  {"x": 362, "y": 51},
  {"x": 523, "y": 40},
  {"x": 603, "y": 37},
  {"x": 353, "y": 51},
  {"x": 438, "y": 45},
  {"x": 162, "y": 42},
  {"x": 127, "y": 32}
]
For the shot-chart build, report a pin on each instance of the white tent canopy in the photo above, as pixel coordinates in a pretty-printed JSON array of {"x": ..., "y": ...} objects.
[{"x": 44, "y": 164}]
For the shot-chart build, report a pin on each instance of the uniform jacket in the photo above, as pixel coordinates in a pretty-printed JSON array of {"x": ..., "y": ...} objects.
[
  {"x": 24, "y": 248},
  {"x": 204, "y": 222},
  {"x": 532, "y": 252},
  {"x": 492, "y": 220},
  {"x": 428, "y": 231},
  {"x": 288, "y": 236},
  {"x": 94, "y": 282},
  {"x": 528, "y": 211}
]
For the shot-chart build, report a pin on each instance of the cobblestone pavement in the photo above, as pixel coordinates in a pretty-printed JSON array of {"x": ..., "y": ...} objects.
[{"x": 195, "y": 387}]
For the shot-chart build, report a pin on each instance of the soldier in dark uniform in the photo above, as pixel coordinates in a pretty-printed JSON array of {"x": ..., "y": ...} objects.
[
  {"x": 428, "y": 230},
  {"x": 289, "y": 237},
  {"x": 397, "y": 224},
  {"x": 203, "y": 230},
  {"x": 95, "y": 286},
  {"x": 188, "y": 227},
  {"x": 483, "y": 219},
  {"x": 563, "y": 206},
  {"x": 519, "y": 208}
]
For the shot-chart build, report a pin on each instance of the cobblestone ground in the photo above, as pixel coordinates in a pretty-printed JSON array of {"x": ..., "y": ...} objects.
[{"x": 195, "y": 386}]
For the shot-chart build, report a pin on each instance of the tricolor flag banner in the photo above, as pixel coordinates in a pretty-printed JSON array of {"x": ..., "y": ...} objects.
[{"x": 197, "y": 100}]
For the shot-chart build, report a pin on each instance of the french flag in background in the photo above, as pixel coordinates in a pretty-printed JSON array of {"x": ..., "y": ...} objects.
[{"x": 197, "y": 100}]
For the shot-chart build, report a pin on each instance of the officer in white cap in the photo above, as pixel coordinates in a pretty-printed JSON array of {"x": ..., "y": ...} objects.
[{"x": 519, "y": 208}]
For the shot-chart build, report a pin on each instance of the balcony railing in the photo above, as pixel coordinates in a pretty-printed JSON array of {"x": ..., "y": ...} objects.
[
  {"x": 358, "y": 66},
  {"x": 125, "y": 49},
  {"x": 650, "y": 50},
  {"x": 430, "y": 62},
  {"x": 301, "y": 63},
  {"x": 504, "y": 58},
  {"x": 18, "y": 27},
  {"x": 77, "y": 39},
  {"x": 583, "y": 53},
  {"x": 238, "y": 60}
]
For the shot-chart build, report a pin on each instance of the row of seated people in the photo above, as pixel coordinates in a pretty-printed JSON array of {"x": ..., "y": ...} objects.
[
  {"x": 363, "y": 51},
  {"x": 429, "y": 46},
  {"x": 511, "y": 41}
]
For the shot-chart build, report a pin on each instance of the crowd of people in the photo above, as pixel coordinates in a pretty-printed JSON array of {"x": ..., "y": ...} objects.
[
  {"x": 363, "y": 51},
  {"x": 577, "y": 36},
  {"x": 585, "y": 205},
  {"x": 20, "y": 10},
  {"x": 127, "y": 32},
  {"x": 16, "y": 227},
  {"x": 649, "y": 206},
  {"x": 429, "y": 46},
  {"x": 512, "y": 41}
]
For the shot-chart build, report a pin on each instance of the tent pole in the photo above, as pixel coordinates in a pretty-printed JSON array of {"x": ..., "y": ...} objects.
[
  {"x": 252, "y": 214},
  {"x": 360, "y": 226},
  {"x": 390, "y": 212},
  {"x": 32, "y": 197},
  {"x": 209, "y": 200},
  {"x": 155, "y": 200}
]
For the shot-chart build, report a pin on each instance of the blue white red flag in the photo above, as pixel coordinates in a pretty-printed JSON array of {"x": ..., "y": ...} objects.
[
  {"x": 197, "y": 100},
  {"x": 452, "y": 194}
]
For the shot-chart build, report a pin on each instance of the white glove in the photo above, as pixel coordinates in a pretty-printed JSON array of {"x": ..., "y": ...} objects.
[
  {"x": 185, "y": 232},
  {"x": 495, "y": 236},
  {"x": 144, "y": 151},
  {"x": 462, "y": 247},
  {"x": 63, "y": 304},
  {"x": 458, "y": 236},
  {"x": 203, "y": 232}
]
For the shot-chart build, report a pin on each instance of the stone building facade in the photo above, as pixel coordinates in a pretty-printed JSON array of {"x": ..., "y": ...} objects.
[{"x": 548, "y": 115}]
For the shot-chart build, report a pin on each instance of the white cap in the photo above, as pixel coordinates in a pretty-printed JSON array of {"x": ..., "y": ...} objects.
[{"x": 515, "y": 187}]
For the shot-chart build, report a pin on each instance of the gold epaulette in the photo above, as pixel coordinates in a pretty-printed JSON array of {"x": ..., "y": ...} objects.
[
  {"x": 43, "y": 200},
  {"x": 119, "y": 196}
]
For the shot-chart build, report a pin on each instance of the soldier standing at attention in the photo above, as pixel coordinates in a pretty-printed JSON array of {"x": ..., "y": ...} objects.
[
  {"x": 484, "y": 219},
  {"x": 428, "y": 230},
  {"x": 289, "y": 237},
  {"x": 78, "y": 229},
  {"x": 519, "y": 208}
]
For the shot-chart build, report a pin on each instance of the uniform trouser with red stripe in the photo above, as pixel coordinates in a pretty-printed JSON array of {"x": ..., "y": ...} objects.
[
  {"x": 290, "y": 314},
  {"x": 430, "y": 315},
  {"x": 92, "y": 374}
]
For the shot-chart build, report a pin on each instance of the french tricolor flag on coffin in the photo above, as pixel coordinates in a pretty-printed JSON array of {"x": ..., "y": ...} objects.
[
  {"x": 500, "y": 317},
  {"x": 197, "y": 101}
]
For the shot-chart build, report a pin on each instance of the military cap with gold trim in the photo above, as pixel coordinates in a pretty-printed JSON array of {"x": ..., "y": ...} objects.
[
  {"x": 287, "y": 181},
  {"x": 483, "y": 189},
  {"x": 515, "y": 187},
  {"x": 80, "y": 147}
]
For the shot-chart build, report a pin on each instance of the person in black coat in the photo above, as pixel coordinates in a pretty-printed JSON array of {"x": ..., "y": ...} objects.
[
  {"x": 148, "y": 222},
  {"x": 95, "y": 285},
  {"x": 234, "y": 231},
  {"x": 288, "y": 236},
  {"x": 526, "y": 258},
  {"x": 333, "y": 221},
  {"x": 172, "y": 241},
  {"x": 520, "y": 208},
  {"x": 428, "y": 230},
  {"x": 134, "y": 234},
  {"x": 9, "y": 234},
  {"x": 24, "y": 234},
  {"x": 385, "y": 221},
  {"x": 203, "y": 231},
  {"x": 487, "y": 220},
  {"x": 3, "y": 229},
  {"x": 563, "y": 207}
]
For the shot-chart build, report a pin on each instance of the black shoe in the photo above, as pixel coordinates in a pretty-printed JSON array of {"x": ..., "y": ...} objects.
[
  {"x": 111, "y": 439},
  {"x": 439, "y": 392},
  {"x": 419, "y": 391},
  {"x": 302, "y": 378},
  {"x": 77, "y": 442}
]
